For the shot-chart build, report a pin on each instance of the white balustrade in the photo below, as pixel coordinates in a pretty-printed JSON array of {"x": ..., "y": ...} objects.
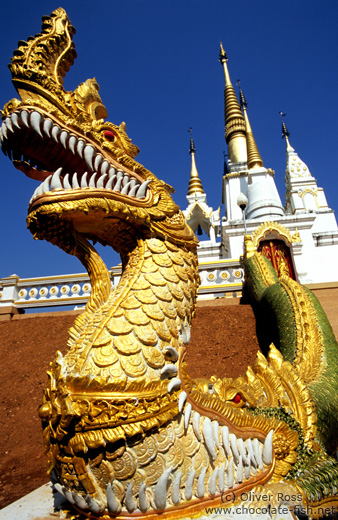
[{"x": 219, "y": 278}]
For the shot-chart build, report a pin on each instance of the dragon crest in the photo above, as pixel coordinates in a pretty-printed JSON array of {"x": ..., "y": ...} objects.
[{"x": 127, "y": 432}]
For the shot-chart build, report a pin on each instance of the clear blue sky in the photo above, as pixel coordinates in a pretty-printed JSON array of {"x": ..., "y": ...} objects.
[{"x": 157, "y": 65}]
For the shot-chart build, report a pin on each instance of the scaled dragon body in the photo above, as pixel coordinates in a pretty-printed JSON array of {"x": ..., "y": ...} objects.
[{"x": 127, "y": 432}]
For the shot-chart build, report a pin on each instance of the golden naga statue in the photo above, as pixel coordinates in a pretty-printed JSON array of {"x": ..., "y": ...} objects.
[{"x": 127, "y": 433}]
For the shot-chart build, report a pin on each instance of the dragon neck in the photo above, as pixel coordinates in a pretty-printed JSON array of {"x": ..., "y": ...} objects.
[{"x": 129, "y": 333}]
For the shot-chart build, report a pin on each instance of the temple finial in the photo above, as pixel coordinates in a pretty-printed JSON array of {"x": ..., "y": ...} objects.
[
  {"x": 285, "y": 133},
  {"x": 195, "y": 185},
  {"x": 243, "y": 102},
  {"x": 254, "y": 157},
  {"x": 233, "y": 117},
  {"x": 222, "y": 54},
  {"x": 192, "y": 148}
]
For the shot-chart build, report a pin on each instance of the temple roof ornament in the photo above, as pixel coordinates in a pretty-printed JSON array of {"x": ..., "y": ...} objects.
[
  {"x": 295, "y": 168},
  {"x": 302, "y": 194},
  {"x": 254, "y": 157},
  {"x": 195, "y": 185},
  {"x": 269, "y": 230},
  {"x": 198, "y": 214},
  {"x": 286, "y": 133},
  {"x": 233, "y": 117}
]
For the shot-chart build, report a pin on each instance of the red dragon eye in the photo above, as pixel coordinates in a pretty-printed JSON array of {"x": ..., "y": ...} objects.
[
  {"x": 109, "y": 135},
  {"x": 237, "y": 398}
]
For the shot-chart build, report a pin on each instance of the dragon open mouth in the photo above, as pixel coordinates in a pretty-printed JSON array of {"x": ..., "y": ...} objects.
[{"x": 26, "y": 138}]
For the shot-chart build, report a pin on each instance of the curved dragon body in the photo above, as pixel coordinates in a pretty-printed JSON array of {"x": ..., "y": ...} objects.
[{"x": 127, "y": 432}]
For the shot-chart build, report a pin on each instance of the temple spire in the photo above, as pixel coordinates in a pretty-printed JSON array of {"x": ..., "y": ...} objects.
[
  {"x": 254, "y": 157},
  {"x": 286, "y": 134},
  {"x": 234, "y": 120},
  {"x": 195, "y": 185}
]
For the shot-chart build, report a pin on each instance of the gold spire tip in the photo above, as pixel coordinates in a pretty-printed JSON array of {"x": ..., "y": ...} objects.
[{"x": 222, "y": 54}]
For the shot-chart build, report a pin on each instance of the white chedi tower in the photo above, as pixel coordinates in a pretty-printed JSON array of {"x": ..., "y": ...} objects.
[
  {"x": 247, "y": 174},
  {"x": 263, "y": 198}
]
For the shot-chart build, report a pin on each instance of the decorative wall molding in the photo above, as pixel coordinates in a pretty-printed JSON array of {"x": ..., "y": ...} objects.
[{"x": 219, "y": 278}]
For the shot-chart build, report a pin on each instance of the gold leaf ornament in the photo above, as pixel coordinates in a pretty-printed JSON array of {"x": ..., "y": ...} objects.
[
  {"x": 124, "y": 467},
  {"x": 119, "y": 326},
  {"x": 105, "y": 356},
  {"x": 133, "y": 365},
  {"x": 127, "y": 344}
]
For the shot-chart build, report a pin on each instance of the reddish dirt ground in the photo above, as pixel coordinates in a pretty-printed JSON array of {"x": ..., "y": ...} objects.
[{"x": 223, "y": 343}]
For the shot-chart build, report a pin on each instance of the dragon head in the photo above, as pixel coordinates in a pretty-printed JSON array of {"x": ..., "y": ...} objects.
[{"x": 90, "y": 183}]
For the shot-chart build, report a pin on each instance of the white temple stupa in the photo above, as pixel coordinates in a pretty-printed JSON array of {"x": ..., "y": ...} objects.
[{"x": 303, "y": 233}]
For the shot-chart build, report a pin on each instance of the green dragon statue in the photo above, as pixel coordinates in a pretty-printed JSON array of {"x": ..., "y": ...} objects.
[{"x": 127, "y": 433}]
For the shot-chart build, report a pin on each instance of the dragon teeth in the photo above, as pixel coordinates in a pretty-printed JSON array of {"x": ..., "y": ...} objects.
[
  {"x": 55, "y": 133},
  {"x": 230, "y": 474},
  {"x": 221, "y": 481},
  {"x": 174, "y": 384},
  {"x": 241, "y": 447},
  {"x": 129, "y": 498},
  {"x": 75, "y": 183},
  {"x": 47, "y": 127},
  {"x": 70, "y": 182},
  {"x": 215, "y": 431},
  {"x": 100, "y": 181},
  {"x": 118, "y": 181},
  {"x": 9, "y": 125},
  {"x": 35, "y": 121},
  {"x": 141, "y": 192},
  {"x": 4, "y": 129},
  {"x": 88, "y": 155},
  {"x": 212, "y": 482},
  {"x": 175, "y": 490},
  {"x": 92, "y": 181},
  {"x": 113, "y": 503},
  {"x": 94, "y": 506},
  {"x": 15, "y": 120},
  {"x": 201, "y": 483},
  {"x": 251, "y": 453},
  {"x": 233, "y": 444},
  {"x": 208, "y": 437},
  {"x": 210, "y": 479},
  {"x": 142, "y": 498},
  {"x": 196, "y": 424},
  {"x": 55, "y": 182},
  {"x": 80, "y": 145},
  {"x": 72, "y": 143},
  {"x": 97, "y": 162},
  {"x": 118, "y": 185},
  {"x": 45, "y": 184},
  {"x": 170, "y": 352},
  {"x": 189, "y": 484},
  {"x": 104, "y": 167},
  {"x": 258, "y": 454},
  {"x": 110, "y": 183},
  {"x": 161, "y": 488},
  {"x": 267, "y": 449},
  {"x": 24, "y": 117},
  {"x": 84, "y": 181},
  {"x": 240, "y": 475},
  {"x": 169, "y": 371},
  {"x": 64, "y": 138},
  {"x": 187, "y": 414},
  {"x": 66, "y": 183},
  {"x": 79, "y": 501},
  {"x": 181, "y": 400}
]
